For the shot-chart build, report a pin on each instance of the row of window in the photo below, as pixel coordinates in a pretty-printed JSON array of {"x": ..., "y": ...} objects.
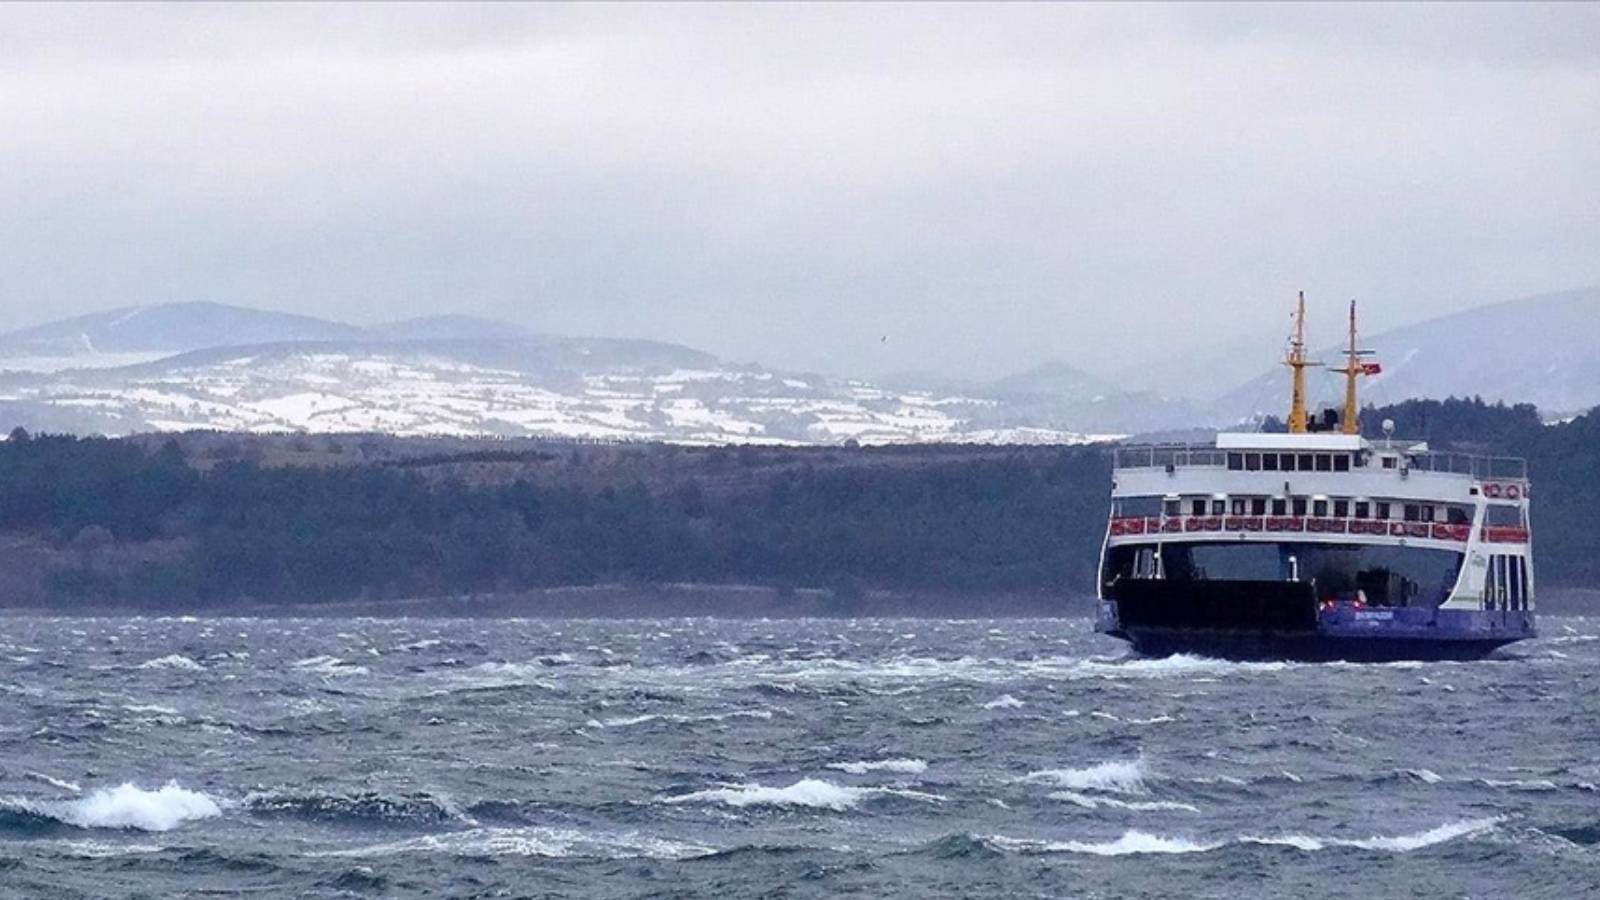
[
  {"x": 1303, "y": 462},
  {"x": 1319, "y": 507}
]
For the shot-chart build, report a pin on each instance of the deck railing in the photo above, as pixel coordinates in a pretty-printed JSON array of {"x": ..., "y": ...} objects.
[{"x": 1191, "y": 456}]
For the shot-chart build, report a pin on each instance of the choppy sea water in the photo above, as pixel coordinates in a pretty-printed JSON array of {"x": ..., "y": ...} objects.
[{"x": 347, "y": 758}]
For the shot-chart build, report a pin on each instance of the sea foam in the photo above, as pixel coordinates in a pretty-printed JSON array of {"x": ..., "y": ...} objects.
[
  {"x": 172, "y": 661},
  {"x": 807, "y": 792},
  {"x": 1112, "y": 776},
  {"x": 899, "y": 766},
  {"x": 130, "y": 806}
]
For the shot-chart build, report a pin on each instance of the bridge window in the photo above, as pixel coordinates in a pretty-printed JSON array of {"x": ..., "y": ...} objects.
[
  {"x": 1219, "y": 507},
  {"x": 1269, "y": 462},
  {"x": 1413, "y": 512},
  {"x": 1299, "y": 506},
  {"x": 1382, "y": 510},
  {"x": 1458, "y": 515},
  {"x": 1305, "y": 462},
  {"x": 1252, "y": 462},
  {"x": 1324, "y": 462},
  {"x": 1238, "y": 506},
  {"x": 1341, "y": 509},
  {"x": 1280, "y": 506},
  {"x": 1172, "y": 508},
  {"x": 1286, "y": 462},
  {"x": 1363, "y": 509},
  {"x": 1427, "y": 513},
  {"x": 1197, "y": 507},
  {"x": 1236, "y": 461},
  {"x": 1341, "y": 463},
  {"x": 1503, "y": 515},
  {"x": 1319, "y": 508},
  {"x": 1258, "y": 506}
]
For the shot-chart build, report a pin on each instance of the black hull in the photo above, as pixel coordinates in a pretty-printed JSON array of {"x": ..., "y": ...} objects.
[{"x": 1309, "y": 647}]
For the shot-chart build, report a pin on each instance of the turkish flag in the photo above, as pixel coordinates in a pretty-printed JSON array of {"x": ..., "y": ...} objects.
[{"x": 1371, "y": 368}]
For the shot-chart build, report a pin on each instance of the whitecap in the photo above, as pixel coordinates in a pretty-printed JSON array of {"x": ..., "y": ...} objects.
[
  {"x": 1130, "y": 843},
  {"x": 1004, "y": 701},
  {"x": 328, "y": 665},
  {"x": 68, "y": 786},
  {"x": 1179, "y": 665},
  {"x": 130, "y": 806},
  {"x": 807, "y": 792},
  {"x": 172, "y": 661},
  {"x": 901, "y": 766},
  {"x": 557, "y": 843},
  {"x": 1112, "y": 776},
  {"x": 1426, "y": 776},
  {"x": 1088, "y": 802},
  {"x": 1398, "y": 844}
]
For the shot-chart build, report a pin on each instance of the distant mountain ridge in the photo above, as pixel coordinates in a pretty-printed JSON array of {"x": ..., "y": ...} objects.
[{"x": 1543, "y": 349}]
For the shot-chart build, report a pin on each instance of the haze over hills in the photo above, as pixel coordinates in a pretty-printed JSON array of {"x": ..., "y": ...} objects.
[
  {"x": 1543, "y": 350},
  {"x": 211, "y": 366}
]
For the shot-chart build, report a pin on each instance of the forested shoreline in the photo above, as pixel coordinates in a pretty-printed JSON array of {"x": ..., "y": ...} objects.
[{"x": 218, "y": 522}]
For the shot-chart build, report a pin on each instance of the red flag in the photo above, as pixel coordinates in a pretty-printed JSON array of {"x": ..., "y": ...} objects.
[{"x": 1371, "y": 368}]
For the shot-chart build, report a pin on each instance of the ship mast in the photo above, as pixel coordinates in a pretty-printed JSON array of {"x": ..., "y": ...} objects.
[
  {"x": 1353, "y": 368},
  {"x": 1296, "y": 361}
]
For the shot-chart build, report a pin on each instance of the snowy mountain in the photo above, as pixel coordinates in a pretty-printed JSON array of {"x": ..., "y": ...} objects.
[
  {"x": 624, "y": 391},
  {"x": 1543, "y": 350}
]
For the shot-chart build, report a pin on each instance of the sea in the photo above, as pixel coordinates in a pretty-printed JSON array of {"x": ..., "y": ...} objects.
[{"x": 231, "y": 757}]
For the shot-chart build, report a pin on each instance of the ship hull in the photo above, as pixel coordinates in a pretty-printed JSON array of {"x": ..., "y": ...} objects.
[
  {"x": 1307, "y": 647},
  {"x": 1284, "y": 620}
]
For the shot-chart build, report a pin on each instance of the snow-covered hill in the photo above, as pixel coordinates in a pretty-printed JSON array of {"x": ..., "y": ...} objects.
[{"x": 539, "y": 386}]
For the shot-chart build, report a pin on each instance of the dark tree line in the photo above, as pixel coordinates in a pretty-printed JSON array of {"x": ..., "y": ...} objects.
[{"x": 997, "y": 519}]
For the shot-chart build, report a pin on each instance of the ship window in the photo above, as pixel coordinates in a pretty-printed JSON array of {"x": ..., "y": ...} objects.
[
  {"x": 1219, "y": 507},
  {"x": 1197, "y": 507},
  {"x": 1503, "y": 515},
  {"x": 1139, "y": 506},
  {"x": 1252, "y": 462},
  {"x": 1258, "y": 506},
  {"x": 1324, "y": 462},
  {"x": 1427, "y": 513},
  {"x": 1305, "y": 462},
  {"x": 1341, "y": 463},
  {"x": 1413, "y": 512},
  {"x": 1269, "y": 462},
  {"x": 1299, "y": 506},
  {"x": 1382, "y": 510},
  {"x": 1388, "y": 462},
  {"x": 1458, "y": 515},
  {"x": 1236, "y": 461},
  {"x": 1238, "y": 506},
  {"x": 1319, "y": 508},
  {"x": 1172, "y": 508},
  {"x": 1359, "y": 460},
  {"x": 1286, "y": 462},
  {"x": 1363, "y": 509},
  {"x": 1341, "y": 509},
  {"x": 1280, "y": 507}
]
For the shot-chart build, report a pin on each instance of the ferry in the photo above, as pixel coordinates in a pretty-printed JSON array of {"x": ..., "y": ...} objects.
[{"x": 1317, "y": 544}]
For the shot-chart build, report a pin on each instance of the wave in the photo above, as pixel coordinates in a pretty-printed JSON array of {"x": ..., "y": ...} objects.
[
  {"x": 126, "y": 806},
  {"x": 1131, "y": 842},
  {"x": 1004, "y": 701},
  {"x": 42, "y": 778},
  {"x": 1399, "y": 844},
  {"x": 358, "y": 809},
  {"x": 807, "y": 792},
  {"x": 1177, "y": 665},
  {"x": 328, "y": 665},
  {"x": 678, "y": 718},
  {"x": 555, "y": 843},
  {"x": 1088, "y": 802},
  {"x": 900, "y": 766},
  {"x": 1112, "y": 776},
  {"x": 1141, "y": 842},
  {"x": 172, "y": 661}
]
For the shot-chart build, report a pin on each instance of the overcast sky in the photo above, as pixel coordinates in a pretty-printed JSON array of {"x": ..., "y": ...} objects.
[{"x": 857, "y": 189}]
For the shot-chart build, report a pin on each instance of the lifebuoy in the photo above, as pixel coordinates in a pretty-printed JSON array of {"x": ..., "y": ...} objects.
[
  {"x": 1513, "y": 492},
  {"x": 1491, "y": 489}
]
